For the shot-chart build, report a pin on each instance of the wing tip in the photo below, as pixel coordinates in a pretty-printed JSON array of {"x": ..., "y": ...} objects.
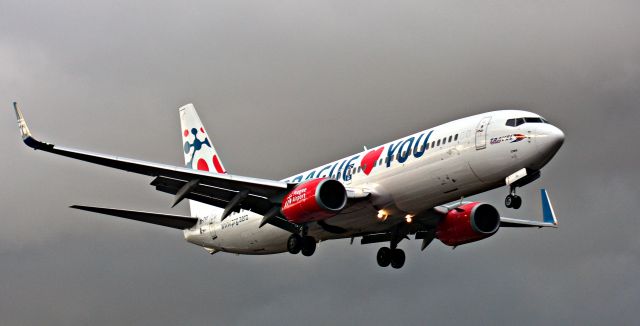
[
  {"x": 27, "y": 138},
  {"x": 22, "y": 124}
]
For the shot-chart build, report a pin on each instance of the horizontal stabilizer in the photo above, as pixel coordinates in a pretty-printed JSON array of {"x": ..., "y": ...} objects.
[{"x": 172, "y": 221}]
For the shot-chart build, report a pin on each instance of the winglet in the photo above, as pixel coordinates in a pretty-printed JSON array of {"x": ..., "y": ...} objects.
[
  {"x": 548, "y": 214},
  {"x": 22, "y": 125},
  {"x": 25, "y": 133}
]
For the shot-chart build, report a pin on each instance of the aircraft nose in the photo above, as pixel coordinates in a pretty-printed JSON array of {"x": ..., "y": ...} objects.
[{"x": 551, "y": 140}]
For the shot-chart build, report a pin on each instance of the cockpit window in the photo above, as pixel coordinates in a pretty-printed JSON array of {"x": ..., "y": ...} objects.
[
  {"x": 515, "y": 122},
  {"x": 533, "y": 120},
  {"x": 518, "y": 121}
]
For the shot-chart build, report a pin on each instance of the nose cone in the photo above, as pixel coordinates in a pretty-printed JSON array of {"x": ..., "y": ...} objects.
[{"x": 550, "y": 140}]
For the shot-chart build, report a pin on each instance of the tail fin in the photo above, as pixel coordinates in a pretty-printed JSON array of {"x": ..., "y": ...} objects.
[{"x": 199, "y": 153}]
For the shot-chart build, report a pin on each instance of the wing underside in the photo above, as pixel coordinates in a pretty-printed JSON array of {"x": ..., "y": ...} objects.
[{"x": 172, "y": 221}]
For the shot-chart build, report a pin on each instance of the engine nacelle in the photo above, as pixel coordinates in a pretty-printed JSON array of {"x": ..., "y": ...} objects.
[
  {"x": 314, "y": 200},
  {"x": 468, "y": 223}
]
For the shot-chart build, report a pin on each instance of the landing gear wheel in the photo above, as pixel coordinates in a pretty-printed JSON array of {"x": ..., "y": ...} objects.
[
  {"x": 517, "y": 202},
  {"x": 508, "y": 201},
  {"x": 294, "y": 244},
  {"x": 308, "y": 246},
  {"x": 397, "y": 258},
  {"x": 384, "y": 257}
]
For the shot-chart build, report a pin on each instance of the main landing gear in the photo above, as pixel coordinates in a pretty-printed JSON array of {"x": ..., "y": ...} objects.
[
  {"x": 393, "y": 256},
  {"x": 386, "y": 256},
  {"x": 512, "y": 200},
  {"x": 305, "y": 244}
]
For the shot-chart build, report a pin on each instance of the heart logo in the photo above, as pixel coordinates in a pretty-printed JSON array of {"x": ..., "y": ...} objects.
[{"x": 369, "y": 159}]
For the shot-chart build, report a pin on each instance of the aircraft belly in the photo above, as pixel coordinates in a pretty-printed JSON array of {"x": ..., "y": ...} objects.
[{"x": 240, "y": 234}]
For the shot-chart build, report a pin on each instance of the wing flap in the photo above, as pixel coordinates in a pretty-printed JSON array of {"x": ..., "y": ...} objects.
[
  {"x": 172, "y": 221},
  {"x": 211, "y": 195}
]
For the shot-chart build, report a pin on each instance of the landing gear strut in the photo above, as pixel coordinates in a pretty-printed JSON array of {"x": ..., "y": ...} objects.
[
  {"x": 512, "y": 200},
  {"x": 392, "y": 256}
]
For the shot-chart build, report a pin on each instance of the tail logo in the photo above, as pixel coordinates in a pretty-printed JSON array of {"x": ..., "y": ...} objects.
[{"x": 197, "y": 146}]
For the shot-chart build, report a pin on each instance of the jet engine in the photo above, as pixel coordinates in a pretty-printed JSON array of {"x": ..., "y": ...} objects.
[
  {"x": 468, "y": 223},
  {"x": 314, "y": 200}
]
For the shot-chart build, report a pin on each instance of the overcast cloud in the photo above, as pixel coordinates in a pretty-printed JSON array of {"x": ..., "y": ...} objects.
[{"x": 284, "y": 86}]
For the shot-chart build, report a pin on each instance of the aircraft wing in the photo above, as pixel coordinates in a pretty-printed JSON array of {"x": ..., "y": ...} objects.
[
  {"x": 228, "y": 191},
  {"x": 172, "y": 221}
]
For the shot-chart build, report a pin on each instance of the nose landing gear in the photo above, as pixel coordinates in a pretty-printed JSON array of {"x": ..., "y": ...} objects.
[{"x": 512, "y": 200}]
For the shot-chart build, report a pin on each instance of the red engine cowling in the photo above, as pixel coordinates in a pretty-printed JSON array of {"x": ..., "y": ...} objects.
[
  {"x": 314, "y": 200},
  {"x": 468, "y": 223}
]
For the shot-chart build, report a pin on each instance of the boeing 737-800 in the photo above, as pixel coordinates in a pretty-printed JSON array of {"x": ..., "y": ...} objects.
[{"x": 410, "y": 186}]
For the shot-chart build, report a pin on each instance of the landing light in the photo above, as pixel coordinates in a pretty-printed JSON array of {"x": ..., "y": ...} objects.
[
  {"x": 409, "y": 218},
  {"x": 382, "y": 215}
]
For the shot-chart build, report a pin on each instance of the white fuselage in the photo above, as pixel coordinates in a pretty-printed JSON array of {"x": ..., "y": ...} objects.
[{"x": 405, "y": 177}]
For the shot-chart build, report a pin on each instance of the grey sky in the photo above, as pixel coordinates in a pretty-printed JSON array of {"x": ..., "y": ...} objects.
[{"x": 285, "y": 86}]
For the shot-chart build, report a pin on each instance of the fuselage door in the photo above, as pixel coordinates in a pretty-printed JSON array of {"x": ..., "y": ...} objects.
[{"x": 481, "y": 133}]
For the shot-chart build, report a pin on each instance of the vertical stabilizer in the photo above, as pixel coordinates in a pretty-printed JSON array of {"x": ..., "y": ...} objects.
[{"x": 199, "y": 153}]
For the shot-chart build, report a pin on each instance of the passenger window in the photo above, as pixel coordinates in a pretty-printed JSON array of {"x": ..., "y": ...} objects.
[
  {"x": 359, "y": 169},
  {"x": 450, "y": 137},
  {"x": 438, "y": 142},
  {"x": 456, "y": 137},
  {"x": 338, "y": 176},
  {"x": 427, "y": 147},
  {"x": 444, "y": 140}
]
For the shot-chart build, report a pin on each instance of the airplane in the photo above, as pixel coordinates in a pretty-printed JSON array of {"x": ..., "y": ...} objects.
[{"x": 413, "y": 186}]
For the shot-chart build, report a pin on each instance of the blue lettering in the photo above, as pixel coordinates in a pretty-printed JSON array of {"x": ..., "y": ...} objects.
[
  {"x": 405, "y": 150},
  {"x": 310, "y": 176},
  {"x": 297, "y": 179},
  {"x": 341, "y": 164},
  {"x": 417, "y": 152},
  {"x": 390, "y": 152},
  {"x": 347, "y": 176},
  {"x": 321, "y": 170}
]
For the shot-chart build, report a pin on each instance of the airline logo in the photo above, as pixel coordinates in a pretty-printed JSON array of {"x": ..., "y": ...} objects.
[
  {"x": 518, "y": 137},
  {"x": 513, "y": 138},
  {"x": 199, "y": 146}
]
